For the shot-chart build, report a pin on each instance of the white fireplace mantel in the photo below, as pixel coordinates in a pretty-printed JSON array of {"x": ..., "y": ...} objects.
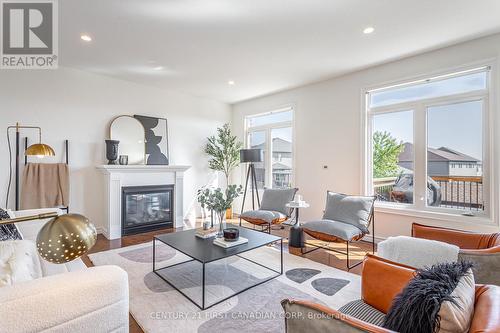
[{"x": 118, "y": 176}]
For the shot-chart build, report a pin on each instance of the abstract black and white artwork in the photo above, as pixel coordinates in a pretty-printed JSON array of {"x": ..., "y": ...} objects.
[
  {"x": 156, "y": 136},
  {"x": 8, "y": 231}
]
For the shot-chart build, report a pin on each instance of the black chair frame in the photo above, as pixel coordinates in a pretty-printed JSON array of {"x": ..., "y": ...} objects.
[{"x": 326, "y": 247}]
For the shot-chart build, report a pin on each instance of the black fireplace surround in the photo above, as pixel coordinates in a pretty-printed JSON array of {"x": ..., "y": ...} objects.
[{"x": 147, "y": 208}]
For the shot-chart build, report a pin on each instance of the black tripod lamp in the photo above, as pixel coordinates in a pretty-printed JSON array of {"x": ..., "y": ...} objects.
[{"x": 251, "y": 156}]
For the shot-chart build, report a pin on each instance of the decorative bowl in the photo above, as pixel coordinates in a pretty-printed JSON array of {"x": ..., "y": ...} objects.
[{"x": 231, "y": 234}]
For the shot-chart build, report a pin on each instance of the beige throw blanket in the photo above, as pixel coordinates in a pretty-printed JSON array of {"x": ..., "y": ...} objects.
[{"x": 45, "y": 185}]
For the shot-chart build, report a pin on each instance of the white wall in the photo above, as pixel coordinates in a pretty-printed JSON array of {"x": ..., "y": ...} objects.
[
  {"x": 78, "y": 106},
  {"x": 328, "y": 129}
]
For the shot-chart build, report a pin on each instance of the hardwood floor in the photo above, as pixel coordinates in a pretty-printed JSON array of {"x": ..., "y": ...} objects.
[{"x": 329, "y": 258}]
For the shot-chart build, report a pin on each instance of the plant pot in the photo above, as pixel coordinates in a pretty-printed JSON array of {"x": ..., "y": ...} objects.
[{"x": 229, "y": 213}]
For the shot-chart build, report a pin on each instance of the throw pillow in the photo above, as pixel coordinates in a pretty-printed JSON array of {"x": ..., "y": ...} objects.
[
  {"x": 276, "y": 200},
  {"x": 438, "y": 299},
  {"x": 19, "y": 262},
  {"x": 8, "y": 231},
  {"x": 486, "y": 266},
  {"x": 351, "y": 209}
]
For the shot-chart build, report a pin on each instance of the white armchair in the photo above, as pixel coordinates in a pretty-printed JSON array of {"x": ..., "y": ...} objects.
[
  {"x": 91, "y": 300},
  {"x": 67, "y": 298}
]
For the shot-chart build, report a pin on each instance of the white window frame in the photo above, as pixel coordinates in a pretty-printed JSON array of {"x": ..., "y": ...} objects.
[
  {"x": 268, "y": 129},
  {"x": 419, "y": 208}
]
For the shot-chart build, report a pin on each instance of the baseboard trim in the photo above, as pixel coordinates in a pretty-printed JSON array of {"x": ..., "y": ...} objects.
[{"x": 369, "y": 238}]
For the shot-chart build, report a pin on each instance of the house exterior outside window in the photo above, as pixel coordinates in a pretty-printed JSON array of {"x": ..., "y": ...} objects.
[
  {"x": 427, "y": 144},
  {"x": 272, "y": 132}
]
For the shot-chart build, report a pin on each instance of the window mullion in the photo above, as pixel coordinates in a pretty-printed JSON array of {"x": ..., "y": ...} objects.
[
  {"x": 420, "y": 156},
  {"x": 269, "y": 159}
]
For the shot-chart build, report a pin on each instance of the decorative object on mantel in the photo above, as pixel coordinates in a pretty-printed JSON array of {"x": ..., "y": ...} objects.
[
  {"x": 223, "y": 150},
  {"x": 112, "y": 151},
  {"x": 63, "y": 238},
  {"x": 156, "y": 137},
  {"x": 218, "y": 201},
  {"x": 38, "y": 149},
  {"x": 130, "y": 132},
  {"x": 123, "y": 160}
]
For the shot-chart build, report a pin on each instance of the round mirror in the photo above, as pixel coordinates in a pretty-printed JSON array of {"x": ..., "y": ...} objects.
[{"x": 130, "y": 132}]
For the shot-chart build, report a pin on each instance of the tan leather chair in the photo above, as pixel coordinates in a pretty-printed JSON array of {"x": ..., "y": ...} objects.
[
  {"x": 381, "y": 281},
  {"x": 272, "y": 210},
  {"x": 483, "y": 250},
  {"x": 470, "y": 241}
]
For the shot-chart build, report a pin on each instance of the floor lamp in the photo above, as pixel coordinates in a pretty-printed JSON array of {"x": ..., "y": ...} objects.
[
  {"x": 251, "y": 156},
  {"x": 38, "y": 149},
  {"x": 63, "y": 238}
]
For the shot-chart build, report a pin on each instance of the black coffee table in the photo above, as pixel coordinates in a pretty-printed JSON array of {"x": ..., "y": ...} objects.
[{"x": 204, "y": 252}]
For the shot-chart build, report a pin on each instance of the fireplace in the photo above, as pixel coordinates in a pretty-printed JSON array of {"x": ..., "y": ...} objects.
[{"x": 146, "y": 208}]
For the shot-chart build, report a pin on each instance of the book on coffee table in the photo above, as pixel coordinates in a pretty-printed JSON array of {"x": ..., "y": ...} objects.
[
  {"x": 225, "y": 244},
  {"x": 202, "y": 233}
]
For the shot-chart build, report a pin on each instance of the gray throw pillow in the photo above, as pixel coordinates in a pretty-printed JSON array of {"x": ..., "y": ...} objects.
[
  {"x": 351, "y": 209},
  {"x": 8, "y": 231},
  {"x": 486, "y": 266},
  {"x": 276, "y": 200}
]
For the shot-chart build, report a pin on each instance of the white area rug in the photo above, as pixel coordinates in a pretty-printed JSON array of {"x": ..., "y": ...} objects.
[{"x": 158, "y": 307}]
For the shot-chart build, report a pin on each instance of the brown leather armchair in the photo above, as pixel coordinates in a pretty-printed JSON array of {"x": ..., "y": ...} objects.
[
  {"x": 481, "y": 249},
  {"x": 381, "y": 281},
  {"x": 480, "y": 243}
]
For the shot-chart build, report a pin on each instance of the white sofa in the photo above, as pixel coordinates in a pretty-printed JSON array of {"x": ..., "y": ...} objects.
[{"x": 67, "y": 298}]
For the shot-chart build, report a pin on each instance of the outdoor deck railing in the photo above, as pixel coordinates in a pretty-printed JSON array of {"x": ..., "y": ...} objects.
[
  {"x": 456, "y": 191},
  {"x": 461, "y": 192}
]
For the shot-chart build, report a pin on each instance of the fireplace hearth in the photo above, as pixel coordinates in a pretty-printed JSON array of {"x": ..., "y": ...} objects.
[{"x": 147, "y": 208}]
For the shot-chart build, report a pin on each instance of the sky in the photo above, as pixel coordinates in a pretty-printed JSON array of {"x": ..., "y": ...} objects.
[
  {"x": 456, "y": 126},
  {"x": 284, "y": 133}
]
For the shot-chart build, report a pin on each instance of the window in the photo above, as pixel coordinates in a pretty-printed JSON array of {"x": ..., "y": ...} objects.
[
  {"x": 427, "y": 143},
  {"x": 273, "y": 133},
  {"x": 393, "y": 158}
]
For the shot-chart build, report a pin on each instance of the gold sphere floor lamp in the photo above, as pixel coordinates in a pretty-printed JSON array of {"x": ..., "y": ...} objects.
[{"x": 63, "y": 238}]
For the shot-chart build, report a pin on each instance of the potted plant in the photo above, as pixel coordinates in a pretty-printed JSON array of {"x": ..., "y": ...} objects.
[
  {"x": 224, "y": 152},
  {"x": 218, "y": 201}
]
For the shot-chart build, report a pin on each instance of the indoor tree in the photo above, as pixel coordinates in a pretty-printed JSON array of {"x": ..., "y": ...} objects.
[{"x": 224, "y": 151}]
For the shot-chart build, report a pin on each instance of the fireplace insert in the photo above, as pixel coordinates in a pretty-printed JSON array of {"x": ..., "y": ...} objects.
[{"x": 146, "y": 208}]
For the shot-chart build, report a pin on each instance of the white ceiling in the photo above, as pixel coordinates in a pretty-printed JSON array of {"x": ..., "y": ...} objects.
[{"x": 263, "y": 45}]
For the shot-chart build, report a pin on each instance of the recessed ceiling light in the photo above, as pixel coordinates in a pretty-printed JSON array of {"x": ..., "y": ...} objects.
[
  {"x": 231, "y": 82},
  {"x": 368, "y": 30},
  {"x": 158, "y": 68},
  {"x": 86, "y": 38}
]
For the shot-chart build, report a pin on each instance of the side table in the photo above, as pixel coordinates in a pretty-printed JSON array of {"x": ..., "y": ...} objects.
[{"x": 296, "y": 236}]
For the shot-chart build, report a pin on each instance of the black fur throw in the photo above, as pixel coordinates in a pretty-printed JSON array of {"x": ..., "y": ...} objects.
[
  {"x": 416, "y": 308},
  {"x": 8, "y": 231}
]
